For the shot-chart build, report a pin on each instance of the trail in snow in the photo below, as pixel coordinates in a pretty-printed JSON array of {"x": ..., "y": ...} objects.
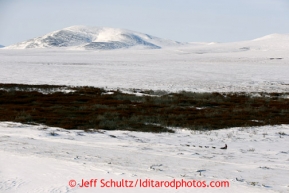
[{"x": 256, "y": 155}]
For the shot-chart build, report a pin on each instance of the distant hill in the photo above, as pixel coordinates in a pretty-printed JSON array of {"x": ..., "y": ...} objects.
[
  {"x": 94, "y": 38},
  {"x": 278, "y": 43}
]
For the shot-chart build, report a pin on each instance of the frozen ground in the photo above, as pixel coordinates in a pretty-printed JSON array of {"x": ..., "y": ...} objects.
[
  {"x": 251, "y": 66},
  {"x": 43, "y": 159}
]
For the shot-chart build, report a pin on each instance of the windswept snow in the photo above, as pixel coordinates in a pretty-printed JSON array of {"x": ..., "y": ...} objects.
[
  {"x": 44, "y": 159},
  {"x": 194, "y": 68},
  {"x": 94, "y": 38}
]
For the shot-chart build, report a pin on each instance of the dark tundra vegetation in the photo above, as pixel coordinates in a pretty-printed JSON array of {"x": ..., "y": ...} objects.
[{"x": 89, "y": 108}]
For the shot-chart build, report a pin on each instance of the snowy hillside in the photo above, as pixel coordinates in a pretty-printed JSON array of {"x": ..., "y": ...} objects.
[
  {"x": 273, "y": 42},
  {"x": 280, "y": 37},
  {"x": 94, "y": 38}
]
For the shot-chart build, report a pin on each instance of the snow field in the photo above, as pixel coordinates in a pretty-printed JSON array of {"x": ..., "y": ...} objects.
[{"x": 40, "y": 158}]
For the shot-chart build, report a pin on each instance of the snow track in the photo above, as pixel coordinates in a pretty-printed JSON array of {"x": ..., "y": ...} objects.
[{"x": 250, "y": 158}]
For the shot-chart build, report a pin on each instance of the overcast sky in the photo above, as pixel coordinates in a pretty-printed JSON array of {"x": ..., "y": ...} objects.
[{"x": 180, "y": 20}]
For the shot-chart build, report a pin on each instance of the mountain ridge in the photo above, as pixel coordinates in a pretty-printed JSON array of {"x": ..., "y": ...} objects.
[
  {"x": 94, "y": 38},
  {"x": 105, "y": 38}
]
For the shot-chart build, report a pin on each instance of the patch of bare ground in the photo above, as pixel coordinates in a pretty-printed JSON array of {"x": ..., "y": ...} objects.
[{"x": 95, "y": 108}]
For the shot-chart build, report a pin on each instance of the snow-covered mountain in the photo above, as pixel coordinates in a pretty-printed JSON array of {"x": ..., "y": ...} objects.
[
  {"x": 1, "y": 46},
  {"x": 281, "y": 37},
  {"x": 271, "y": 43},
  {"x": 103, "y": 38},
  {"x": 94, "y": 38}
]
